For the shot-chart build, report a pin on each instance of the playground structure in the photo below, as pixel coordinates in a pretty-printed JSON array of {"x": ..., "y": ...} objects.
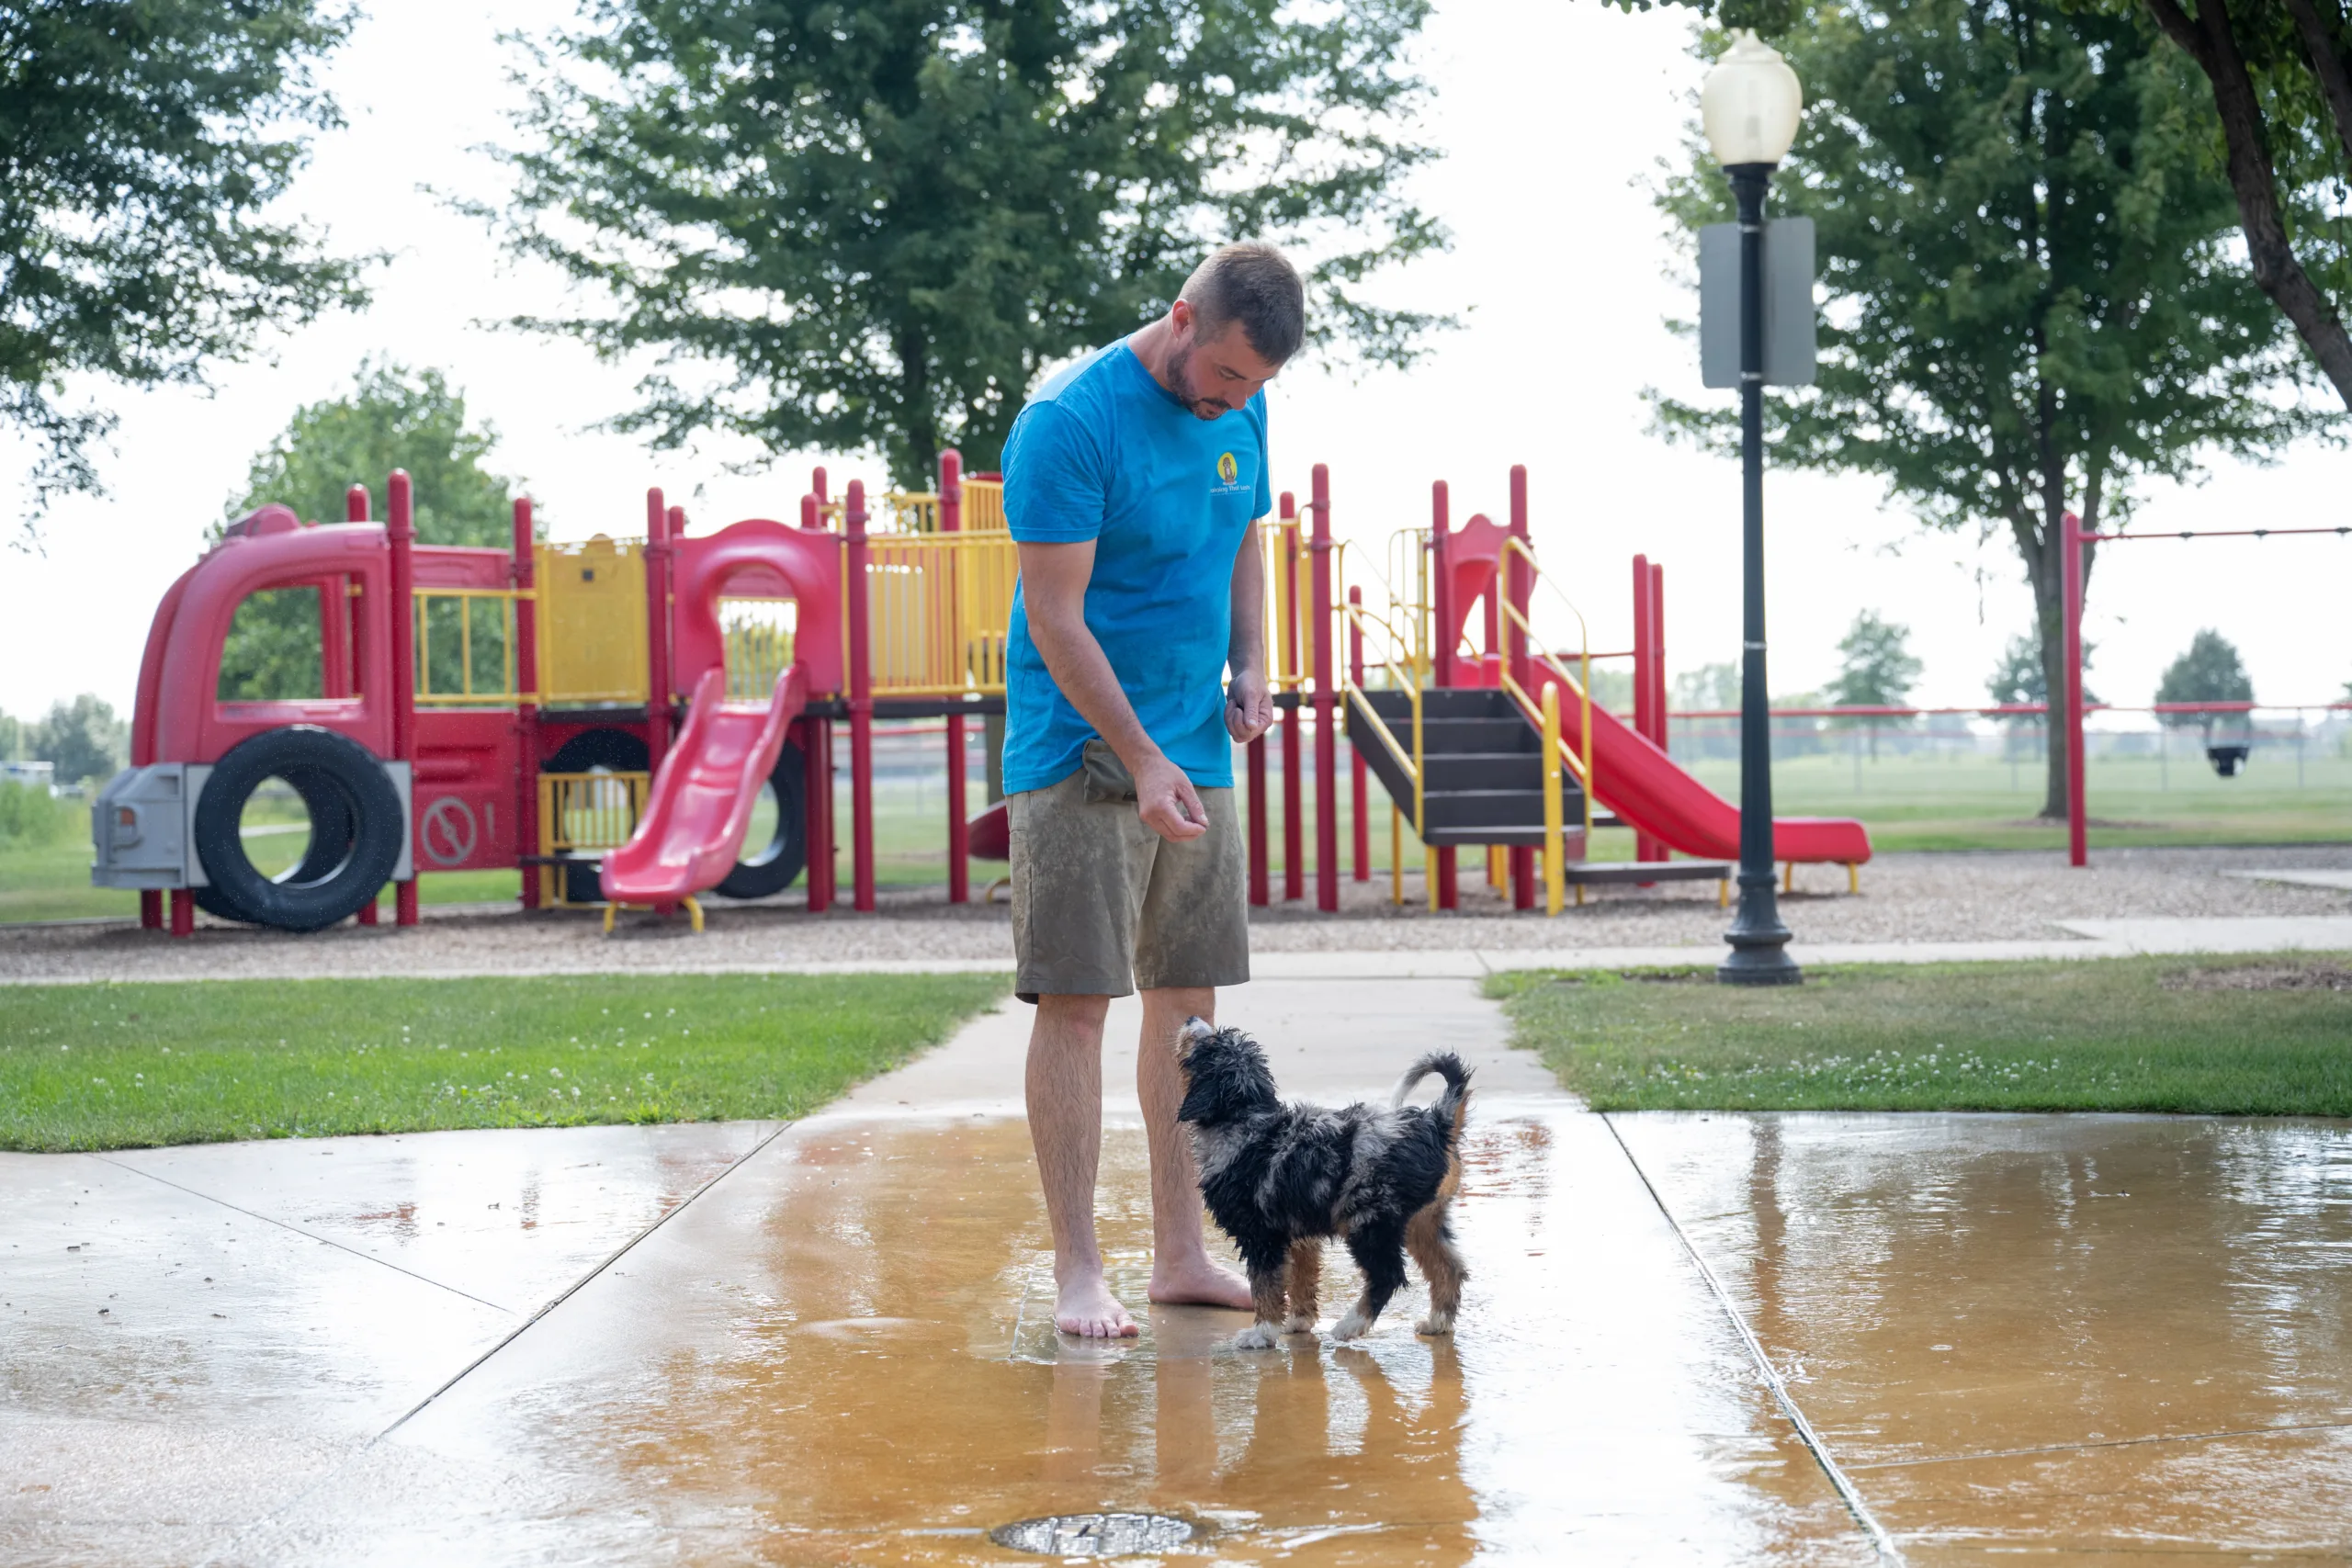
[
  {"x": 2074, "y": 563},
  {"x": 607, "y": 716}
]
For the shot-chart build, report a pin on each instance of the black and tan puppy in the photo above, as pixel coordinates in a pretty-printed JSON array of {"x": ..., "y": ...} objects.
[{"x": 1282, "y": 1178}]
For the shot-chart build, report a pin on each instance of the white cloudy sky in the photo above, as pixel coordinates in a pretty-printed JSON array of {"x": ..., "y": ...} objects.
[{"x": 1552, "y": 113}]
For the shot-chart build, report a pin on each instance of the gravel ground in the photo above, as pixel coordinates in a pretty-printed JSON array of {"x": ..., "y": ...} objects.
[{"x": 1904, "y": 898}]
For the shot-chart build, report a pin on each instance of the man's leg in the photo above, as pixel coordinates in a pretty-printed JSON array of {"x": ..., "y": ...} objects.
[
  {"x": 1064, "y": 1092},
  {"x": 1182, "y": 1270}
]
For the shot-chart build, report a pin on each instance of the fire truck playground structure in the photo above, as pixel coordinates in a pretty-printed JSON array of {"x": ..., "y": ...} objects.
[{"x": 545, "y": 753}]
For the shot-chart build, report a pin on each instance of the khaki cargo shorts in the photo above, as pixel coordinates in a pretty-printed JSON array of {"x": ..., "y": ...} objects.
[{"x": 1102, "y": 904}]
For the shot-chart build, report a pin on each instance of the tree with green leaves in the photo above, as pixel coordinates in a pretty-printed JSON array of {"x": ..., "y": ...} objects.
[
  {"x": 146, "y": 144},
  {"x": 392, "y": 418},
  {"x": 2210, "y": 672},
  {"x": 869, "y": 225},
  {"x": 1876, "y": 670},
  {"x": 83, "y": 739},
  {"x": 2032, "y": 300},
  {"x": 2020, "y": 679},
  {"x": 2280, "y": 75},
  {"x": 2279, "y": 78}
]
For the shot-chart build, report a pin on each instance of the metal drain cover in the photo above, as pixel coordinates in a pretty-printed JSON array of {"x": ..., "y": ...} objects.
[{"x": 1093, "y": 1534}]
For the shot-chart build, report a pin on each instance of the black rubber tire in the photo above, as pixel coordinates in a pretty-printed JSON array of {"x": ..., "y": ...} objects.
[
  {"x": 618, "y": 751},
  {"x": 332, "y": 832},
  {"x": 770, "y": 868},
  {"x": 328, "y": 886}
]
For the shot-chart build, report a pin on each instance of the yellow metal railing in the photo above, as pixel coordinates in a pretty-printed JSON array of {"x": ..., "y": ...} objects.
[
  {"x": 436, "y": 668},
  {"x": 584, "y": 815},
  {"x": 592, "y": 622},
  {"x": 939, "y": 611},
  {"x": 917, "y": 512},
  {"x": 756, "y": 636}
]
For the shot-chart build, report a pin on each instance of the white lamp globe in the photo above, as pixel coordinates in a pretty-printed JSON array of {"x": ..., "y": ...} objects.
[{"x": 1750, "y": 103}]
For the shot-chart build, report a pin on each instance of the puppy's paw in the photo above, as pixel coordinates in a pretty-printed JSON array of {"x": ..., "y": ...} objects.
[
  {"x": 1436, "y": 1322},
  {"x": 1352, "y": 1326},
  {"x": 1299, "y": 1323},
  {"x": 1257, "y": 1337}
]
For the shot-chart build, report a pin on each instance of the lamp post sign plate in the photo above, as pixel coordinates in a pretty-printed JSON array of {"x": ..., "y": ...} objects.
[{"x": 1788, "y": 303}]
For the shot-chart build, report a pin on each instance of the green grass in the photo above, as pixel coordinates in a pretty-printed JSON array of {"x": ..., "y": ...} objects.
[
  {"x": 1929, "y": 802},
  {"x": 138, "y": 1065},
  {"x": 2107, "y": 1034}
]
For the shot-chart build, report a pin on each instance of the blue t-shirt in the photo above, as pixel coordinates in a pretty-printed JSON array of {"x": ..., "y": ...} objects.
[{"x": 1104, "y": 453}]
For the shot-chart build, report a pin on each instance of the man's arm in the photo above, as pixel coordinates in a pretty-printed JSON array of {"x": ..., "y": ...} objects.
[
  {"x": 1053, "y": 585},
  {"x": 1248, "y": 707}
]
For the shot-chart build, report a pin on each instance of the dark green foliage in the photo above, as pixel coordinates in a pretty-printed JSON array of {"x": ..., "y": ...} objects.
[
  {"x": 2032, "y": 295},
  {"x": 2211, "y": 671},
  {"x": 869, "y": 225},
  {"x": 30, "y": 816},
  {"x": 2243, "y": 1035},
  {"x": 82, "y": 739},
  {"x": 132, "y": 1065},
  {"x": 392, "y": 418},
  {"x": 144, "y": 142}
]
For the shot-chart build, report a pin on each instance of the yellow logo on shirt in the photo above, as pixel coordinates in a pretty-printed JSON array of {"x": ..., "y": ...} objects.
[{"x": 1227, "y": 469}]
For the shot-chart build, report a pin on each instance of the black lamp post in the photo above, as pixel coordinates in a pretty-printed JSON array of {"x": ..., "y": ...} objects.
[{"x": 1750, "y": 104}]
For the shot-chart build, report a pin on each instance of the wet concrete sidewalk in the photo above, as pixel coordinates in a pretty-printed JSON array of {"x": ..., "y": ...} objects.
[{"x": 2119, "y": 1337}]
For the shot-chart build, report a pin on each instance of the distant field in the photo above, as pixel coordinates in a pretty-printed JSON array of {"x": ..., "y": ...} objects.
[{"x": 1920, "y": 802}]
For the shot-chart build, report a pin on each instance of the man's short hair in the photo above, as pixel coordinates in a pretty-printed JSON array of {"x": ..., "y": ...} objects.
[{"x": 1252, "y": 284}]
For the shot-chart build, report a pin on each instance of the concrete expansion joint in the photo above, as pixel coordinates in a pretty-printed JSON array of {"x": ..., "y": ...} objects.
[
  {"x": 306, "y": 1235},
  {"x": 1848, "y": 1493}
]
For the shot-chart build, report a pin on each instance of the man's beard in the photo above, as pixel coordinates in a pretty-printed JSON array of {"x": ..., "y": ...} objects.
[{"x": 1203, "y": 408}]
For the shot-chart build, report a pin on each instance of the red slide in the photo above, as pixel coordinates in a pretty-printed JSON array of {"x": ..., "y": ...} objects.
[
  {"x": 1645, "y": 786},
  {"x": 701, "y": 802}
]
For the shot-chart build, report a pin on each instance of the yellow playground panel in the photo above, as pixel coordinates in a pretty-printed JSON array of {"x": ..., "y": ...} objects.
[
  {"x": 939, "y": 608},
  {"x": 591, "y": 623}
]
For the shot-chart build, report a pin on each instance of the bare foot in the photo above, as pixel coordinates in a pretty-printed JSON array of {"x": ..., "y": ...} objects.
[
  {"x": 1086, "y": 1307},
  {"x": 1199, "y": 1283}
]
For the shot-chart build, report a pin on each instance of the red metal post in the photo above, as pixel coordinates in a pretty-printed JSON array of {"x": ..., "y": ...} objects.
[
  {"x": 1519, "y": 585},
  {"x": 657, "y": 629},
  {"x": 1327, "y": 740},
  {"x": 526, "y": 702},
  {"x": 1658, "y": 660},
  {"x": 1359, "y": 795},
  {"x": 183, "y": 912},
  {"x": 150, "y": 908},
  {"x": 817, "y": 790},
  {"x": 2077, "y": 812},
  {"x": 1441, "y": 590},
  {"x": 1441, "y": 651},
  {"x": 1645, "y": 720},
  {"x": 860, "y": 702},
  {"x": 355, "y": 510},
  {"x": 817, "y": 485},
  {"x": 1293, "y": 720},
  {"x": 951, "y": 521},
  {"x": 817, "y": 761},
  {"x": 401, "y": 530}
]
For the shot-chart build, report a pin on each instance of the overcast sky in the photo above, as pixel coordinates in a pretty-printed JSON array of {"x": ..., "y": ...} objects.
[{"x": 1552, "y": 113}]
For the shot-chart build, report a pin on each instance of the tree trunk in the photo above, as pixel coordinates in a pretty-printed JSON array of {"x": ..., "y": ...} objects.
[{"x": 2209, "y": 40}]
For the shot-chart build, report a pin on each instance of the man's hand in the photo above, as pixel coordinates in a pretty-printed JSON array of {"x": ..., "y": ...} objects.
[
  {"x": 1249, "y": 706},
  {"x": 1167, "y": 803}
]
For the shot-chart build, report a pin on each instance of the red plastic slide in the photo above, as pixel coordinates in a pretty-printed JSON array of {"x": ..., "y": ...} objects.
[
  {"x": 701, "y": 801},
  {"x": 1645, "y": 786}
]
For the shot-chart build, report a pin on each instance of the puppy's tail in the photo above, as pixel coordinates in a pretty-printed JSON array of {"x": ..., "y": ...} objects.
[{"x": 1452, "y": 1106}]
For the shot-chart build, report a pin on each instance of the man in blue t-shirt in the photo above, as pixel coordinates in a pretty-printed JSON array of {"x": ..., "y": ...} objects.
[{"x": 1133, "y": 483}]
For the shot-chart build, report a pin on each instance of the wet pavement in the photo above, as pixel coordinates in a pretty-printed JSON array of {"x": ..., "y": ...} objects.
[{"x": 2119, "y": 1338}]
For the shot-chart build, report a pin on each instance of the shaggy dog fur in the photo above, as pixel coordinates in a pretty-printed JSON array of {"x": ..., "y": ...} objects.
[{"x": 1281, "y": 1177}]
